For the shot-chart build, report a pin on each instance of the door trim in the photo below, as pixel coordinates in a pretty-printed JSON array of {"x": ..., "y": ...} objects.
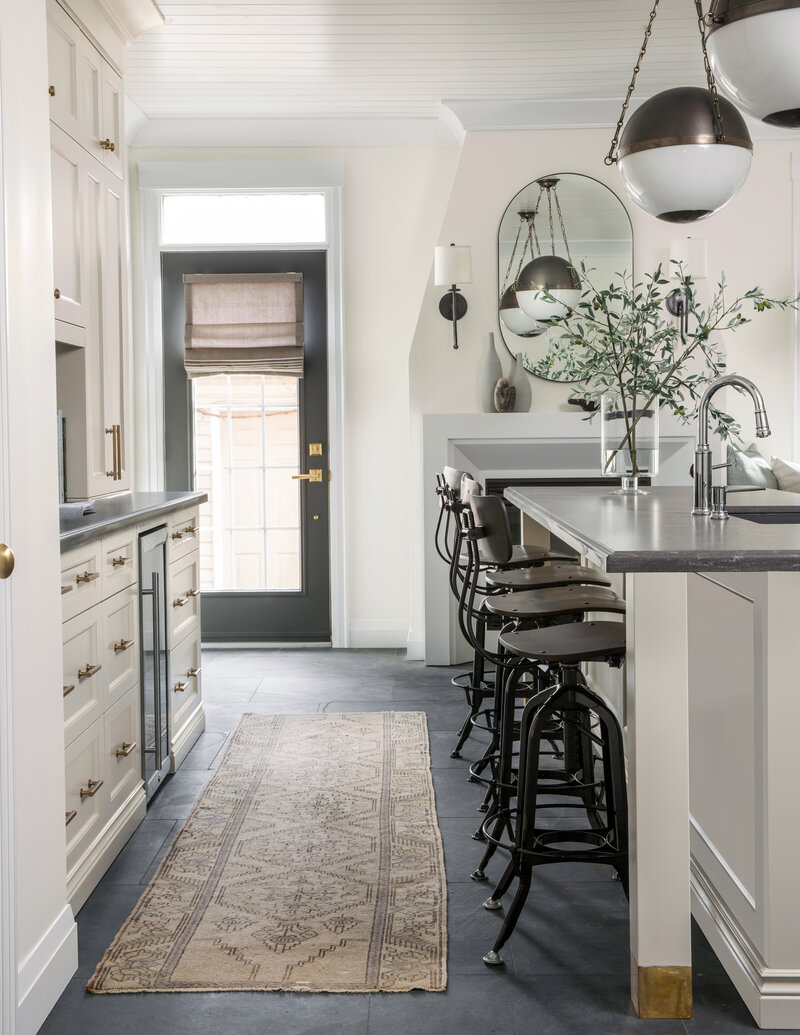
[
  {"x": 8, "y": 946},
  {"x": 159, "y": 178}
]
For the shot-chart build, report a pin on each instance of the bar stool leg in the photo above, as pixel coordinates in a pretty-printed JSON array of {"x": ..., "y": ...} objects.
[
  {"x": 474, "y": 697},
  {"x": 526, "y": 874}
]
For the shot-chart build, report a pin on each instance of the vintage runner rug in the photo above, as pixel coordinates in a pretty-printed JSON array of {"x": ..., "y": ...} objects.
[{"x": 311, "y": 862}]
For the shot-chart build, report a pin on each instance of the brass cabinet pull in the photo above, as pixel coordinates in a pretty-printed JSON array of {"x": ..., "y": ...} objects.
[
  {"x": 107, "y": 144},
  {"x": 122, "y": 645},
  {"x": 116, "y": 452},
  {"x": 177, "y": 535},
  {"x": 69, "y": 689},
  {"x": 192, "y": 592},
  {"x": 52, "y": 91},
  {"x": 56, "y": 293},
  {"x": 118, "y": 433},
  {"x": 90, "y": 670},
  {"x": 118, "y": 562},
  {"x": 88, "y": 576},
  {"x": 193, "y": 673},
  {"x": 66, "y": 589},
  {"x": 92, "y": 789},
  {"x": 190, "y": 530},
  {"x": 70, "y": 816},
  {"x": 179, "y": 687},
  {"x": 125, "y": 750},
  {"x": 179, "y": 602}
]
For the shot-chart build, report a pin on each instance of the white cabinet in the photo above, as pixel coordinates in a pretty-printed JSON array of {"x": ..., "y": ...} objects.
[
  {"x": 90, "y": 280},
  {"x": 68, "y": 162}
]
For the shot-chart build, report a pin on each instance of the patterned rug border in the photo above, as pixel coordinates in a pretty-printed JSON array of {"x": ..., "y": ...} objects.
[{"x": 277, "y": 986}]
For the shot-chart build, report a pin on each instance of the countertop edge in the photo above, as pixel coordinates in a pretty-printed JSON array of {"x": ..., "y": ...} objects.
[
  {"x": 544, "y": 517},
  {"x": 104, "y": 526}
]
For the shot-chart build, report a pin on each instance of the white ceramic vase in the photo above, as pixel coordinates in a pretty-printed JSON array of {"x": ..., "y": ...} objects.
[
  {"x": 491, "y": 372},
  {"x": 521, "y": 382}
]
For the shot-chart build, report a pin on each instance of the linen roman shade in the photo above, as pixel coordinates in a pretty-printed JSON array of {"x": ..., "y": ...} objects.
[{"x": 244, "y": 323}]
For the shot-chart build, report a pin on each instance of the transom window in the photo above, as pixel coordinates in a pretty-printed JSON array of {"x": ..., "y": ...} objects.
[{"x": 245, "y": 219}]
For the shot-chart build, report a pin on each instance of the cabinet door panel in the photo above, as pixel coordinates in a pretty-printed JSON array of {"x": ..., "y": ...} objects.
[
  {"x": 115, "y": 321},
  {"x": 121, "y": 643},
  {"x": 68, "y": 170},
  {"x": 123, "y": 769},
  {"x": 112, "y": 119},
  {"x": 63, "y": 38},
  {"x": 183, "y": 605},
  {"x": 99, "y": 412},
  {"x": 90, "y": 92},
  {"x": 84, "y": 771},
  {"x": 184, "y": 678},
  {"x": 84, "y": 683}
]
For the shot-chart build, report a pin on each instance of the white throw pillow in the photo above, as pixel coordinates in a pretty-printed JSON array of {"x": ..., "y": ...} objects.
[{"x": 788, "y": 474}]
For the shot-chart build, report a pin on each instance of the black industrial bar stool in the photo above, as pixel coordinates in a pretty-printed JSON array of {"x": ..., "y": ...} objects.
[
  {"x": 600, "y": 784},
  {"x": 487, "y": 522}
]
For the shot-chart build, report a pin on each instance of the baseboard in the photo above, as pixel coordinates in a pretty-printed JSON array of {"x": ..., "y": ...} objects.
[
  {"x": 415, "y": 645},
  {"x": 45, "y": 972},
  {"x": 85, "y": 876},
  {"x": 187, "y": 737},
  {"x": 368, "y": 633},
  {"x": 772, "y": 996}
]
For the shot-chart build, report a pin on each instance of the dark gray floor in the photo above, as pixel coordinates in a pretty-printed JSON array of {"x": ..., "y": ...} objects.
[{"x": 567, "y": 963}]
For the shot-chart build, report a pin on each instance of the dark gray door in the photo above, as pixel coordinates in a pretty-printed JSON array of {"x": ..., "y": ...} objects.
[{"x": 301, "y": 613}]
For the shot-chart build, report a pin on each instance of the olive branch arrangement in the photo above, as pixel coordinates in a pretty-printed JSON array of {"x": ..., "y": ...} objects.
[{"x": 621, "y": 340}]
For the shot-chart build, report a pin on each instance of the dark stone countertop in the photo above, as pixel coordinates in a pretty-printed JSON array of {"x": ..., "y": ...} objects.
[
  {"x": 118, "y": 512},
  {"x": 657, "y": 532}
]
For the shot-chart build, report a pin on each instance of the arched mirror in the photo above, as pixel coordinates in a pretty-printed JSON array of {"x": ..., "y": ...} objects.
[{"x": 549, "y": 229}]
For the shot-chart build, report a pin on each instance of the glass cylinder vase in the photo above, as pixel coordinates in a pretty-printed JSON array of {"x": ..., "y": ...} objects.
[{"x": 628, "y": 441}]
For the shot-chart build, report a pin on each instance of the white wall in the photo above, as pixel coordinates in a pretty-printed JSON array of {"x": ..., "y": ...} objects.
[
  {"x": 751, "y": 240},
  {"x": 45, "y": 929},
  {"x": 393, "y": 200}
]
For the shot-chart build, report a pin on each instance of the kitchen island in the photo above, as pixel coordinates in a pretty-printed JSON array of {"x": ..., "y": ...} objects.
[{"x": 709, "y": 701}]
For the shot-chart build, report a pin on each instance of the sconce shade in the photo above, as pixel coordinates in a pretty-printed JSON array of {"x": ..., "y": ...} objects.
[
  {"x": 692, "y": 254},
  {"x": 753, "y": 53},
  {"x": 452, "y": 264},
  {"x": 555, "y": 275},
  {"x": 669, "y": 159},
  {"x": 517, "y": 321}
]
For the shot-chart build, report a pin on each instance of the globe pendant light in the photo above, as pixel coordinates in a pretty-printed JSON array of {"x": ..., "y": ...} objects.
[
  {"x": 753, "y": 47},
  {"x": 685, "y": 152},
  {"x": 511, "y": 314},
  {"x": 549, "y": 286}
]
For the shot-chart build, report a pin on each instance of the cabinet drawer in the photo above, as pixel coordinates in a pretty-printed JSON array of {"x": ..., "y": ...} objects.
[
  {"x": 120, "y": 561},
  {"x": 86, "y": 813},
  {"x": 123, "y": 753},
  {"x": 84, "y": 686},
  {"x": 120, "y": 643},
  {"x": 183, "y": 530},
  {"x": 184, "y": 681},
  {"x": 81, "y": 580},
  {"x": 183, "y": 603}
]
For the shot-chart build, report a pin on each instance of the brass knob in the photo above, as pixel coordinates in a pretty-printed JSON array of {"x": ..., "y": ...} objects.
[
  {"x": 6, "y": 561},
  {"x": 52, "y": 91},
  {"x": 56, "y": 293},
  {"x": 107, "y": 144}
]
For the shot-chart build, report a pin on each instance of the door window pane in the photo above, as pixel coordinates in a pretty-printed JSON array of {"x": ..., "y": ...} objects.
[{"x": 247, "y": 438}]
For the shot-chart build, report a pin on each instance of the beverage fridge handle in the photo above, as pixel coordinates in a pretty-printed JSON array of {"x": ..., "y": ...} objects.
[{"x": 157, "y": 666}]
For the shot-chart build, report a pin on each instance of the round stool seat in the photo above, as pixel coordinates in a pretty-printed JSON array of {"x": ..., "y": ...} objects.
[
  {"x": 555, "y": 601},
  {"x": 568, "y": 644},
  {"x": 541, "y": 578},
  {"x": 524, "y": 556}
]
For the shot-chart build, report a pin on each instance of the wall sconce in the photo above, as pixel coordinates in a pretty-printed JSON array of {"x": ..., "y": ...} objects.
[
  {"x": 452, "y": 265},
  {"x": 692, "y": 254}
]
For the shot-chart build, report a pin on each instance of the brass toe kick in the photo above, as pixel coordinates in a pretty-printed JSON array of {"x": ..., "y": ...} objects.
[{"x": 661, "y": 992}]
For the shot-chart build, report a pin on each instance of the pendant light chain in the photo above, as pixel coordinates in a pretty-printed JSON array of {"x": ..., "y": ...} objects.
[
  {"x": 532, "y": 236},
  {"x": 712, "y": 85},
  {"x": 563, "y": 228},
  {"x": 552, "y": 234},
  {"x": 612, "y": 157},
  {"x": 511, "y": 260}
]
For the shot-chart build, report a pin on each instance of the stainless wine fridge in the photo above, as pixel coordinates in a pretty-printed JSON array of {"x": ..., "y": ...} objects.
[{"x": 155, "y": 659}]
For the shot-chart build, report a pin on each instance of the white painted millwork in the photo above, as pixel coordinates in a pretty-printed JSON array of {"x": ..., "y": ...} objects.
[
  {"x": 84, "y": 680},
  {"x": 90, "y": 277}
]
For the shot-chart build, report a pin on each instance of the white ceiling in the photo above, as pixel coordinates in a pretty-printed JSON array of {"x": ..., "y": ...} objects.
[{"x": 345, "y": 70}]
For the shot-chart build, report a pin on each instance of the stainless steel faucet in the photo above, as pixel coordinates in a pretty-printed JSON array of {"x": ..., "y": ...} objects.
[{"x": 702, "y": 454}]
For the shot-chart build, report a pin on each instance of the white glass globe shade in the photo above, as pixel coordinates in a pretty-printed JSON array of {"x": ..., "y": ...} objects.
[
  {"x": 685, "y": 182},
  {"x": 755, "y": 63},
  {"x": 515, "y": 319},
  {"x": 548, "y": 274}
]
